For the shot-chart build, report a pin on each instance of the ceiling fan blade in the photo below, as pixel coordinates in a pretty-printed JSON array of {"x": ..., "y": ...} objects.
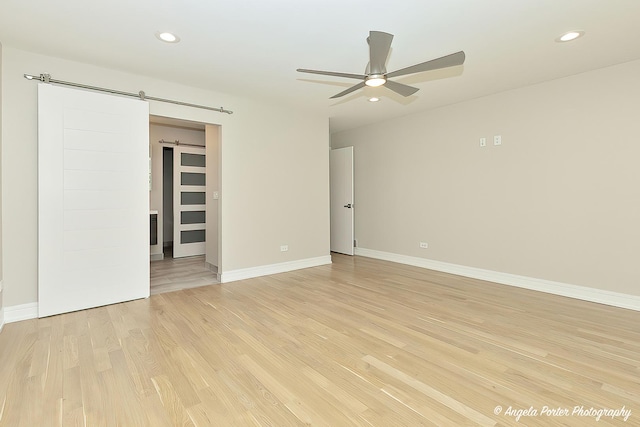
[
  {"x": 443, "y": 62},
  {"x": 379, "y": 46},
  {"x": 331, "y": 73},
  {"x": 401, "y": 89},
  {"x": 351, "y": 89}
]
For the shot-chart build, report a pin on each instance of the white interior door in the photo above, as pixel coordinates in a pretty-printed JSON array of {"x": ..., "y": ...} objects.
[
  {"x": 189, "y": 200},
  {"x": 341, "y": 181},
  {"x": 93, "y": 199}
]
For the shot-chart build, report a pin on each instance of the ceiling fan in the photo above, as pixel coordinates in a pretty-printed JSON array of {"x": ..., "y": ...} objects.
[{"x": 376, "y": 71}]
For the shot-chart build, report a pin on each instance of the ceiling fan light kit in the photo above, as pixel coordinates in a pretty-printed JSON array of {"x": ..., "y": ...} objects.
[
  {"x": 376, "y": 72},
  {"x": 375, "y": 80}
]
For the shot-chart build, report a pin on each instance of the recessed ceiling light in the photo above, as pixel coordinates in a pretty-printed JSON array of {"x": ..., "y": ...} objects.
[
  {"x": 167, "y": 37},
  {"x": 374, "y": 99},
  {"x": 570, "y": 35}
]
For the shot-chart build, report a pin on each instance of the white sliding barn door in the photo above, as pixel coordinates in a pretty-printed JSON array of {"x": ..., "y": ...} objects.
[
  {"x": 189, "y": 201},
  {"x": 93, "y": 199}
]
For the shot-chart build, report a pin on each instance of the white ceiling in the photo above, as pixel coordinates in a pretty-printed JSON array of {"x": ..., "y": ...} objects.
[{"x": 251, "y": 48}]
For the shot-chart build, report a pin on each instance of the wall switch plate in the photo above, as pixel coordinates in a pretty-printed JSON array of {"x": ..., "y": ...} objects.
[
  {"x": 216, "y": 195},
  {"x": 497, "y": 140},
  {"x": 483, "y": 142},
  {"x": 284, "y": 248},
  {"x": 424, "y": 245}
]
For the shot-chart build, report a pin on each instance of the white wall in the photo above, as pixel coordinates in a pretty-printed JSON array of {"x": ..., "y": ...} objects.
[
  {"x": 274, "y": 169},
  {"x": 1, "y": 269},
  {"x": 557, "y": 201}
]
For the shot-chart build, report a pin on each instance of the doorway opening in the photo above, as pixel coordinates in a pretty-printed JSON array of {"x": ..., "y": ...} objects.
[{"x": 185, "y": 180}]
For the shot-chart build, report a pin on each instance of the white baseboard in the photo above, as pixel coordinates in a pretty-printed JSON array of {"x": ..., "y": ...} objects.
[
  {"x": 156, "y": 257},
  {"x": 265, "y": 270},
  {"x": 631, "y": 302},
  {"x": 213, "y": 268},
  {"x": 16, "y": 313},
  {"x": 1, "y": 309}
]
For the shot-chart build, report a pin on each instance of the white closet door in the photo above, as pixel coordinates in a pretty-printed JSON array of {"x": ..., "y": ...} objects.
[
  {"x": 341, "y": 184},
  {"x": 93, "y": 199},
  {"x": 189, "y": 200}
]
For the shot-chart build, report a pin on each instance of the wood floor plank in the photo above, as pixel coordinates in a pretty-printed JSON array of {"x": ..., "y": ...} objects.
[
  {"x": 72, "y": 407},
  {"x": 360, "y": 342},
  {"x": 171, "y": 402}
]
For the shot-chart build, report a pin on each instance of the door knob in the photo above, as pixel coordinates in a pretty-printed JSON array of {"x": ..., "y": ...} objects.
[{"x": 348, "y": 205}]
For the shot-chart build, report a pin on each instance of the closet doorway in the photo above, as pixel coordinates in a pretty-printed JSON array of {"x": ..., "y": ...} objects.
[{"x": 184, "y": 191}]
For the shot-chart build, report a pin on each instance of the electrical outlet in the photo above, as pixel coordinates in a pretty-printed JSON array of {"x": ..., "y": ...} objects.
[
  {"x": 284, "y": 248},
  {"x": 497, "y": 140},
  {"x": 424, "y": 245},
  {"x": 483, "y": 142}
]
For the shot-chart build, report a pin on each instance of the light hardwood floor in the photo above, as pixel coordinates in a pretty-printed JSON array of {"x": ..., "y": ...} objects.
[{"x": 360, "y": 342}]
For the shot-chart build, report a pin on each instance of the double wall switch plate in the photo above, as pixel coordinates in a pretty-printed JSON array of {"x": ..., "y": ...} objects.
[
  {"x": 284, "y": 248},
  {"x": 424, "y": 245},
  {"x": 497, "y": 140},
  {"x": 483, "y": 142}
]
